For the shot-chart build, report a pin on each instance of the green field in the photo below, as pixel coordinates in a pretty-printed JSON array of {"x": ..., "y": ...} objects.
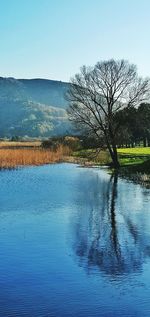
[
  {"x": 144, "y": 151},
  {"x": 133, "y": 156}
]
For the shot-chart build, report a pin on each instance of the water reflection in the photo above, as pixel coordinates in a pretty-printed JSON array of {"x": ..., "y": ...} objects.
[{"x": 108, "y": 234}]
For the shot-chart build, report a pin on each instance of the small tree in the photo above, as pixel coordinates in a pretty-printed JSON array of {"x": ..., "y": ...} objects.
[{"x": 97, "y": 93}]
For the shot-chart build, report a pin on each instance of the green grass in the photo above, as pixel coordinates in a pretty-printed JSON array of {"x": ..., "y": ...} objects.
[
  {"x": 133, "y": 156},
  {"x": 144, "y": 151}
]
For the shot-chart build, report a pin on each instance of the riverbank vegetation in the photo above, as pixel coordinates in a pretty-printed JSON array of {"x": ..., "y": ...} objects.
[
  {"x": 13, "y": 154},
  {"x": 134, "y": 162}
]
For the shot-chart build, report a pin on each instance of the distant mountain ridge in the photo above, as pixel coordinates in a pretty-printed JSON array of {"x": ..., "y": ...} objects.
[{"x": 33, "y": 107}]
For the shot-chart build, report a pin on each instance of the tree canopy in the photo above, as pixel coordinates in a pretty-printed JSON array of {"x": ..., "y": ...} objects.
[{"x": 98, "y": 93}]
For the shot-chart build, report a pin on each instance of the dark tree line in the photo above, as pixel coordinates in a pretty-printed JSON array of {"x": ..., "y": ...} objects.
[{"x": 134, "y": 126}]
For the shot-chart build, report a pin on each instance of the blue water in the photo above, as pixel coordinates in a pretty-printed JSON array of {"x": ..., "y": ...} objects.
[{"x": 73, "y": 242}]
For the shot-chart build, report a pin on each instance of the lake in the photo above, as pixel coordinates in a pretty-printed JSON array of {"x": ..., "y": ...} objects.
[{"x": 73, "y": 242}]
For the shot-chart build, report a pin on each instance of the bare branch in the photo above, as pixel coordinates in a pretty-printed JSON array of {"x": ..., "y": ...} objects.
[{"x": 98, "y": 92}]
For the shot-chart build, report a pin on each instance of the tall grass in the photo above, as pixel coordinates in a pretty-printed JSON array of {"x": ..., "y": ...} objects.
[
  {"x": 10, "y": 157},
  {"x": 19, "y": 144}
]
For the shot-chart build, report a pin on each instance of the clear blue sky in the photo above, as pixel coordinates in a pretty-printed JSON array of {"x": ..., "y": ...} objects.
[{"x": 53, "y": 38}]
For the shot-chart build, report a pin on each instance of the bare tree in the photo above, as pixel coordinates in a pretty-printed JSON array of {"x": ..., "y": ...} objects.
[{"x": 97, "y": 93}]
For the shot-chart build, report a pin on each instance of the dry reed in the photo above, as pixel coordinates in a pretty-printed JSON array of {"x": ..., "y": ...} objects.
[
  {"x": 10, "y": 158},
  {"x": 19, "y": 144}
]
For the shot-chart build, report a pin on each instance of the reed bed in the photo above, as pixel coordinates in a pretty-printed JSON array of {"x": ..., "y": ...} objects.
[
  {"x": 19, "y": 144},
  {"x": 11, "y": 158}
]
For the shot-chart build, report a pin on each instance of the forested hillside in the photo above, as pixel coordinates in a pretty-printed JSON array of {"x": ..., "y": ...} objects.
[{"x": 33, "y": 108}]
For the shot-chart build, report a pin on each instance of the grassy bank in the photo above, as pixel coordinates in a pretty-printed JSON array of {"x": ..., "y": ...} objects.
[
  {"x": 137, "y": 172},
  {"x": 129, "y": 156},
  {"x": 135, "y": 162},
  {"x": 13, "y": 154}
]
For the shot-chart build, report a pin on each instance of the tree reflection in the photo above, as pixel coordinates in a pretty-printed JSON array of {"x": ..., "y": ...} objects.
[{"x": 105, "y": 237}]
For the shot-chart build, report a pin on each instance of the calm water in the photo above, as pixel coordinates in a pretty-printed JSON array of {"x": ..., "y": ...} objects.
[{"x": 73, "y": 242}]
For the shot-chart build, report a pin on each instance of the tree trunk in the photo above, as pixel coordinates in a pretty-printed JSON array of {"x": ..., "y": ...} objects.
[
  {"x": 113, "y": 154},
  {"x": 111, "y": 145},
  {"x": 144, "y": 141},
  {"x": 115, "y": 160}
]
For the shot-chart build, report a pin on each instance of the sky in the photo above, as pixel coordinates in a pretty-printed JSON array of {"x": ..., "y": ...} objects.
[{"x": 54, "y": 38}]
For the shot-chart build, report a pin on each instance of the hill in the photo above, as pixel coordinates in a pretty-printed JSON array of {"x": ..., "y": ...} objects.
[{"x": 33, "y": 107}]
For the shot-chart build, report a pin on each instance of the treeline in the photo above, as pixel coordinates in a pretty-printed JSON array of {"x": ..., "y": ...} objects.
[
  {"x": 132, "y": 129},
  {"x": 134, "y": 126}
]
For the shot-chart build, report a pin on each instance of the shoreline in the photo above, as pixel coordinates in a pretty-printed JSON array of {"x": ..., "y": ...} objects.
[
  {"x": 134, "y": 166},
  {"x": 137, "y": 177}
]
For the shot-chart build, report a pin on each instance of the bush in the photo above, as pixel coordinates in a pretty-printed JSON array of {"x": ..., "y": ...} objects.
[
  {"x": 53, "y": 143},
  {"x": 72, "y": 142},
  {"x": 50, "y": 144}
]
